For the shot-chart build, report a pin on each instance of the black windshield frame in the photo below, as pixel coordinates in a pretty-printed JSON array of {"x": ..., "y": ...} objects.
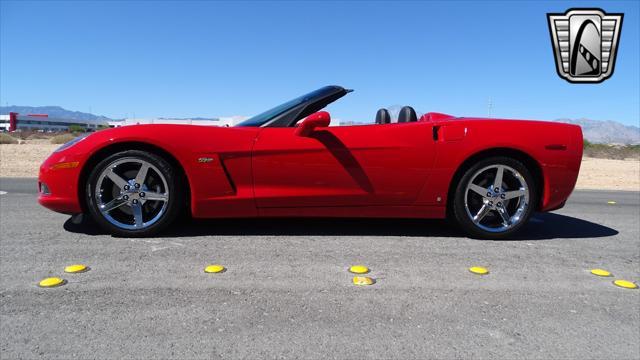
[{"x": 288, "y": 113}]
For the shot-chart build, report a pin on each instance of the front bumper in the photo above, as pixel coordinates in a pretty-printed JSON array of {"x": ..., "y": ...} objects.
[{"x": 60, "y": 174}]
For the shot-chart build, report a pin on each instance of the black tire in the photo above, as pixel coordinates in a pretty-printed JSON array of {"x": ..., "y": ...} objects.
[
  {"x": 174, "y": 188},
  {"x": 463, "y": 218}
]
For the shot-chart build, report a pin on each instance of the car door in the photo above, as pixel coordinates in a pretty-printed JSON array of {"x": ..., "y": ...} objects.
[{"x": 342, "y": 166}]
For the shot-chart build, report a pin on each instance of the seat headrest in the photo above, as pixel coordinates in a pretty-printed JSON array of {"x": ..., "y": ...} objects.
[
  {"x": 407, "y": 114},
  {"x": 383, "y": 117}
]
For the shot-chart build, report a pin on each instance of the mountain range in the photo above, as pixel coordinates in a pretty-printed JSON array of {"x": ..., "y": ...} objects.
[
  {"x": 606, "y": 132},
  {"x": 54, "y": 112},
  {"x": 595, "y": 131}
]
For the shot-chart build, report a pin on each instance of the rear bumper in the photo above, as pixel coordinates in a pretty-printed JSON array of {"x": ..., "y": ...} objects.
[
  {"x": 559, "y": 183},
  {"x": 60, "y": 174},
  {"x": 561, "y": 168}
]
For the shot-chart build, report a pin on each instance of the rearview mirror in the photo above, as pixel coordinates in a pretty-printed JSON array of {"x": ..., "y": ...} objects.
[{"x": 308, "y": 125}]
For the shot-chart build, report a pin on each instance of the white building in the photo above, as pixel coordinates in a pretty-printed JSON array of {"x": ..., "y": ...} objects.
[
  {"x": 221, "y": 121},
  {"x": 17, "y": 122},
  {"x": 4, "y": 123},
  {"x": 34, "y": 122}
]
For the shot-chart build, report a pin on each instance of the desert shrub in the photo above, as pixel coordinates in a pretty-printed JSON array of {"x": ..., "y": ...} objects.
[
  {"x": 77, "y": 129},
  {"x": 7, "y": 139},
  {"x": 38, "y": 135},
  {"x": 22, "y": 134},
  {"x": 606, "y": 151},
  {"x": 61, "y": 139}
]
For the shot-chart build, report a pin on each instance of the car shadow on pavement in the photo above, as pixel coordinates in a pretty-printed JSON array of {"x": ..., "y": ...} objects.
[{"x": 542, "y": 226}]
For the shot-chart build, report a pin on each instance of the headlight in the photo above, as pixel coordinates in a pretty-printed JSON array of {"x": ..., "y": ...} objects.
[{"x": 70, "y": 143}]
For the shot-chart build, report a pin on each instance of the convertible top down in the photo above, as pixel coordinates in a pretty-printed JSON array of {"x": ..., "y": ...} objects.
[{"x": 488, "y": 175}]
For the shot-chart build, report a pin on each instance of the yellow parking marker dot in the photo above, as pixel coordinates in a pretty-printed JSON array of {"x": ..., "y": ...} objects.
[
  {"x": 479, "y": 270},
  {"x": 363, "y": 280},
  {"x": 625, "y": 284},
  {"x": 76, "y": 268},
  {"x": 359, "y": 269},
  {"x": 51, "y": 282},
  {"x": 214, "y": 269},
  {"x": 611, "y": 202},
  {"x": 600, "y": 272}
]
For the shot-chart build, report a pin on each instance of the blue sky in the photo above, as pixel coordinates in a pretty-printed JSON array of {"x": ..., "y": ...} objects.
[{"x": 240, "y": 58}]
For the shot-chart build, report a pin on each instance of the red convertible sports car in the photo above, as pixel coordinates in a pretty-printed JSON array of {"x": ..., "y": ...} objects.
[{"x": 488, "y": 175}]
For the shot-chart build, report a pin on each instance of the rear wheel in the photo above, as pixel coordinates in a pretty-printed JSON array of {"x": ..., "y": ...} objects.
[
  {"x": 134, "y": 193},
  {"x": 494, "y": 198}
]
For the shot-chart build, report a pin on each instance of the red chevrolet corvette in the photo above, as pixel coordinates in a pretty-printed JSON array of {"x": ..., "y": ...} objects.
[{"x": 488, "y": 175}]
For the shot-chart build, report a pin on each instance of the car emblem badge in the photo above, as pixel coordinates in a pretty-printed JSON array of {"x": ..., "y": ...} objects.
[{"x": 585, "y": 43}]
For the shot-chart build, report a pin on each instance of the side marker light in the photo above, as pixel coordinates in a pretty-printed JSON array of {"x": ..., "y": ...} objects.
[{"x": 65, "y": 165}]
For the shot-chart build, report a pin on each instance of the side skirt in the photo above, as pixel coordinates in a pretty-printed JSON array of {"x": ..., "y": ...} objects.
[{"x": 416, "y": 212}]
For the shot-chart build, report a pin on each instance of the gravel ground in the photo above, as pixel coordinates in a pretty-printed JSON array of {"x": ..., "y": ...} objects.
[{"x": 287, "y": 293}]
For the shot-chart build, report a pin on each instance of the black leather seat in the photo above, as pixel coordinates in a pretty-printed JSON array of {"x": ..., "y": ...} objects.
[
  {"x": 383, "y": 117},
  {"x": 407, "y": 114}
]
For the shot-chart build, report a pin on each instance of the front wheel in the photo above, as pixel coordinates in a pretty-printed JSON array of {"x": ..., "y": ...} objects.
[
  {"x": 494, "y": 198},
  {"x": 134, "y": 193}
]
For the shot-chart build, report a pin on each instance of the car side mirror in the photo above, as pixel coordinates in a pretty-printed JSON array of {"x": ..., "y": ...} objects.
[{"x": 313, "y": 121}]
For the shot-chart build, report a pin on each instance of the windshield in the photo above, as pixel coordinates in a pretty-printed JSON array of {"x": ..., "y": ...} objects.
[{"x": 264, "y": 117}]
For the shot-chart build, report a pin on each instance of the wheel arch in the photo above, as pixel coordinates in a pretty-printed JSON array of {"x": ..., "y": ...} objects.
[
  {"x": 531, "y": 164},
  {"x": 110, "y": 149}
]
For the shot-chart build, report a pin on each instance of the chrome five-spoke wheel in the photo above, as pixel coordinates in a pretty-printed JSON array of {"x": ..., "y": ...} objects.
[
  {"x": 495, "y": 197},
  {"x": 133, "y": 193}
]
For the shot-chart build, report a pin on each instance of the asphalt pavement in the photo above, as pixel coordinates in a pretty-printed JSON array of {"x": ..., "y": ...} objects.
[{"x": 287, "y": 292}]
